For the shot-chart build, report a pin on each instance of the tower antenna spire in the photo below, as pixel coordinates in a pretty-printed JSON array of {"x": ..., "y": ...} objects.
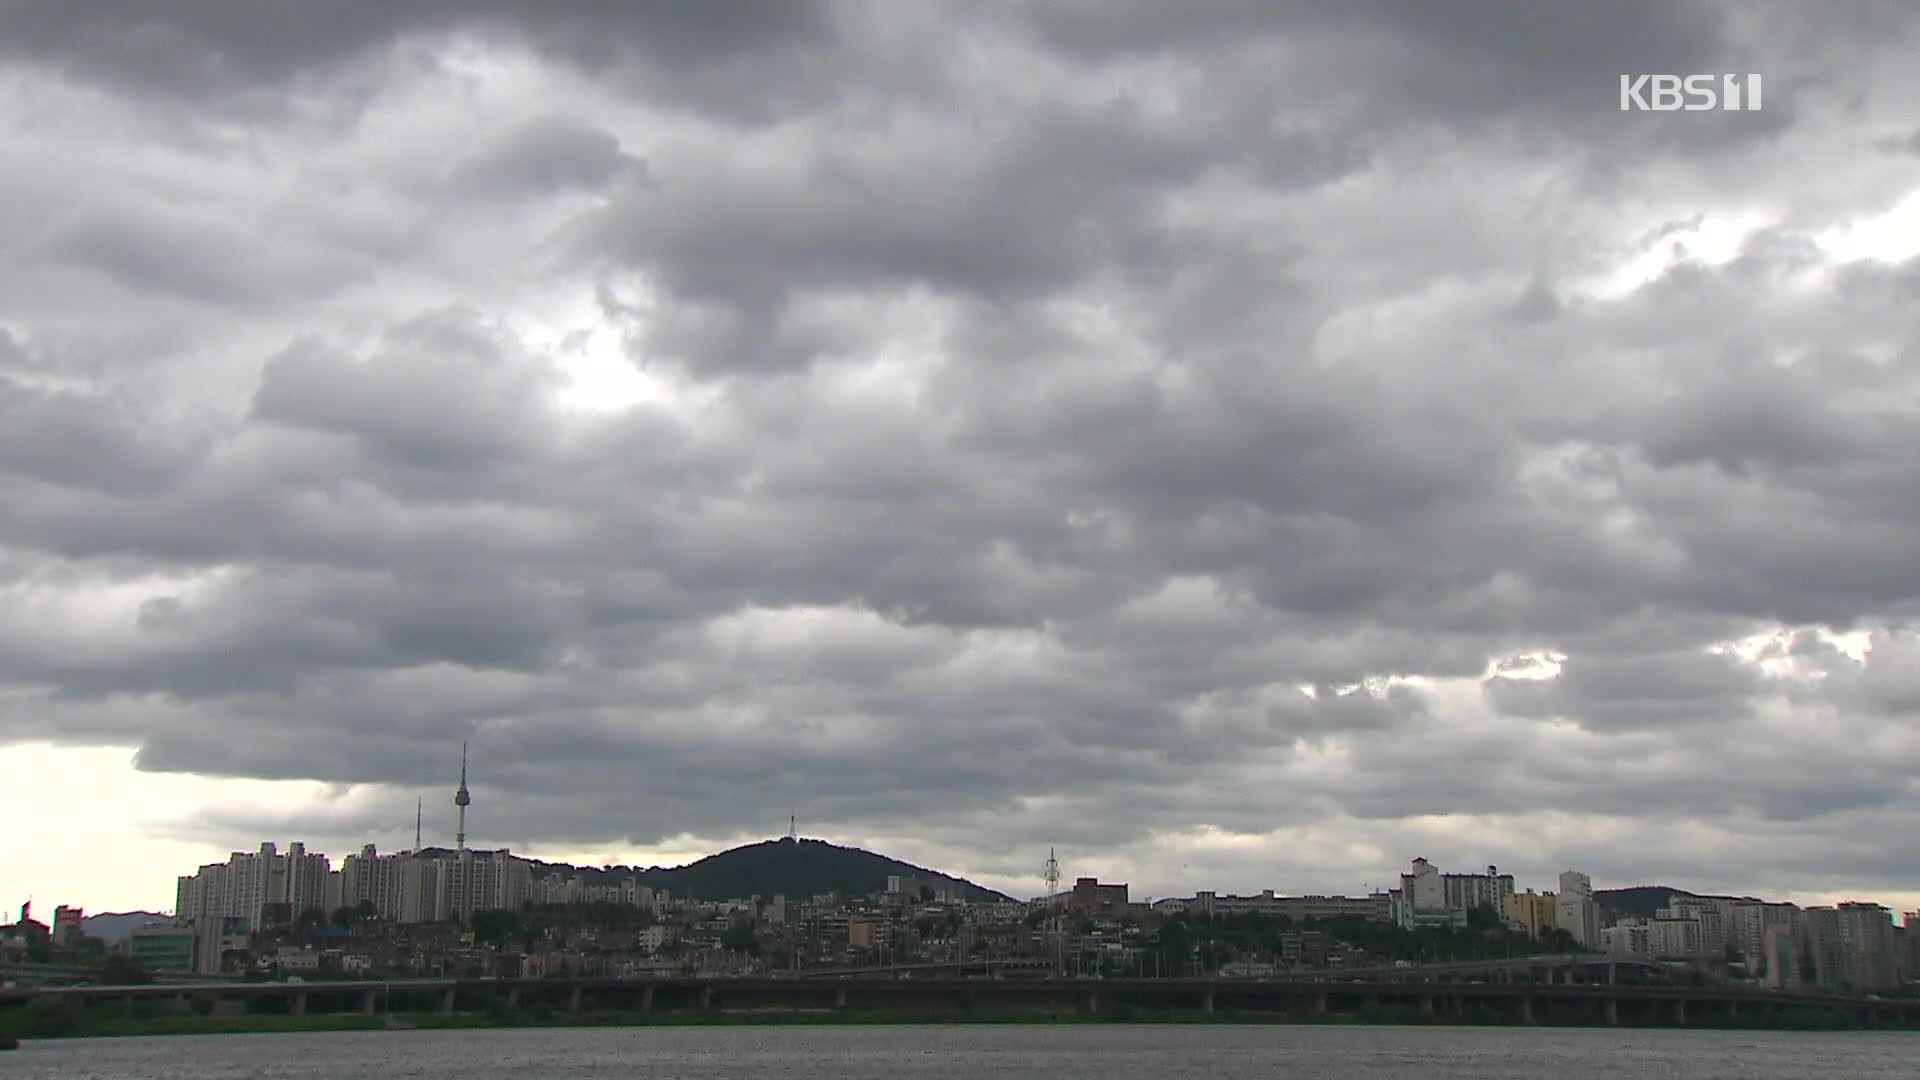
[
  {"x": 462, "y": 800},
  {"x": 419, "y": 807}
]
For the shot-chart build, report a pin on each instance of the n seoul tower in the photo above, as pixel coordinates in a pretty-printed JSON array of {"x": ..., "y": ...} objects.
[{"x": 461, "y": 799}]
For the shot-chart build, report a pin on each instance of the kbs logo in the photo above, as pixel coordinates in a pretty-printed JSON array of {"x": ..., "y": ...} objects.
[{"x": 1694, "y": 93}]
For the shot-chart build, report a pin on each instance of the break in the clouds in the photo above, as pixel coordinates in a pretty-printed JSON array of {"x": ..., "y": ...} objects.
[{"x": 1245, "y": 445}]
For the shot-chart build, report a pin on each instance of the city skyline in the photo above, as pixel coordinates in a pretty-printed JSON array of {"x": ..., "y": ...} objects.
[{"x": 1253, "y": 447}]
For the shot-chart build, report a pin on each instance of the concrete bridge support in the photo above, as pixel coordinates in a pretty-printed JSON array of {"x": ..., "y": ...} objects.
[
  {"x": 444, "y": 1005},
  {"x": 646, "y": 998},
  {"x": 840, "y": 997},
  {"x": 1680, "y": 1011},
  {"x": 1093, "y": 1003},
  {"x": 1526, "y": 1008},
  {"x": 1733, "y": 1010},
  {"x": 1613, "y": 1012},
  {"x": 1206, "y": 1003},
  {"x": 1426, "y": 1004},
  {"x": 298, "y": 1006},
  {"x": 513, "y": 997},
  {"x": 706, "y": 996},
  {"x": 366, "y": 1002},
  {"x": 1320, "y": 1003},
  {"x": 573, "y": 999}
]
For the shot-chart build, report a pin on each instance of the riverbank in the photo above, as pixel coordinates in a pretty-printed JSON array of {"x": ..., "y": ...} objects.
[{"x": 107, "y": 1022}]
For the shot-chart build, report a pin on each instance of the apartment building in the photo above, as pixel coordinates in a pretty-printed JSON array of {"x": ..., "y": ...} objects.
[
  {"x": 1575, "y": 910},
  {"x": 1534, "y": 913},
  {"x": 1377, "y": 907}
]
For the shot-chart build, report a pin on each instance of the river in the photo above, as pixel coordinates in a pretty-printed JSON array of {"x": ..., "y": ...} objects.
[{"x": 1001, "y": 1053}]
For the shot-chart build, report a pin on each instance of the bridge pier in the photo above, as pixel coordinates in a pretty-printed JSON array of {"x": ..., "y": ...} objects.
[
  {"x": 1733, "y": 1010},
  {"x": 1320, "y": 1003},
  {"x": 513, "y": 997},
  {"x": 445, "y": 1003},
  {"x": 299, "y": 1005},
  {"x": 573, "y": 998},
  {"x": 366, "y": 1002},
  {"x": 1206, "y": 1003},
  {"x": 1093, "y": 1003},
  {"x": 1426, "y": 1004},
  {"x": 840, "y": 997},
  {"x": 646, "y": 998},
  {"x": 1526, "y": 1008},
  {"x": 1680, "y": 1011},
  {"x": 1373, "y": 1001},
  {"x": 706, "y": 996},
  {"x": 1613, "y": 1012}
]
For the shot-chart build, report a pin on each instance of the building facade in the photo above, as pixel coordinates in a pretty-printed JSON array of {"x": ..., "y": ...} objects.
[
  {"x": 1535, "y": 914},
  {"x": 1576, "y": 912}
]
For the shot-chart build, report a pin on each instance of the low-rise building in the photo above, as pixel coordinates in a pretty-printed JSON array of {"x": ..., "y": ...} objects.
[
  {"x": 162, "y": 950},
  {"x": 1092, "y": 896}
]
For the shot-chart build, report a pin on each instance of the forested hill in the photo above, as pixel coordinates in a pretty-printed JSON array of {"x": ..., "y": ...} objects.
[
  {"x": 795, "y": 868},
  {"x": 1645, "y": 901}
]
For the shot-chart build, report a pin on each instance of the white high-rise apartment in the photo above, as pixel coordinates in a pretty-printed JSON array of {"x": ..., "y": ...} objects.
[{"x": 1576, "y": 911}]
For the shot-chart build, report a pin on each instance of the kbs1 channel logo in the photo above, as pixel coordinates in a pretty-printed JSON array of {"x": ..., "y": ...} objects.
[{"x": 1691, "y": 93}]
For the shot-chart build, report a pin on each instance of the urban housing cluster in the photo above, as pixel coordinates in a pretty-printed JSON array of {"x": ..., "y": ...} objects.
[{"x": 491, "y": 913}]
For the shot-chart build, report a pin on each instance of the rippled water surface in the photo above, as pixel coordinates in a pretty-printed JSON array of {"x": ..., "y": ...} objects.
[{"x": 1004, "y": 1053}]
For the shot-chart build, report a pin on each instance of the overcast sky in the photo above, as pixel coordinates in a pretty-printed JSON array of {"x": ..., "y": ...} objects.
[{"x": 1244, "y": 445}]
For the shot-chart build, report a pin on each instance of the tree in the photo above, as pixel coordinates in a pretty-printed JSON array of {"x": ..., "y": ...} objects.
[
  {"x": 495, "y": 927},
  {"x": 123, "y": 970},
  {"x": 1481, "y": 917},
  {"x": 739, "y": 938},
  {"x": 343, "y": 917}
]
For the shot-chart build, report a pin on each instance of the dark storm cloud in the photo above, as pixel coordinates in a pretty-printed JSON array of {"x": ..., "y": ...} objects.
[
  {"x": 1656, "y": 691},
  {"x": 438, "y": 394},
  {"x": 1033, "y": 406},
  {"x": 547, "y": 154},
  {"x": 205, "y": 49}
]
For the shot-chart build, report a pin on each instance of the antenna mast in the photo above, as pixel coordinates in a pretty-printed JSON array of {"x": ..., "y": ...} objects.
[
  {"x": 419, "y": 805},
  {"x": 1052, "y": 874},
  {"x": 462, "y": 800},
  {"x": 793, "y": 827}
]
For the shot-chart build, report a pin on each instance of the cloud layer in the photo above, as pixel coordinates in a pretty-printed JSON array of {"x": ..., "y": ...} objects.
[{"x": 1261, "y": 445}]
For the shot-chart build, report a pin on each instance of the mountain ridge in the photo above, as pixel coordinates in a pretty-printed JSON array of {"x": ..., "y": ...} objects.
[
  {"x": 1646, "y": 900},
  {"x": 115, "y": 927},
  {"x": 792, "y": 867}
]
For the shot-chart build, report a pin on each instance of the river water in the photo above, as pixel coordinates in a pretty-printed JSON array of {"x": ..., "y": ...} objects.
[{"x": 1188, "y": 1052}]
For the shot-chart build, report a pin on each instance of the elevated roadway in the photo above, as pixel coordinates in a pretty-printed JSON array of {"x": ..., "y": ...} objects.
[{"x": 1521, "y": 1001}]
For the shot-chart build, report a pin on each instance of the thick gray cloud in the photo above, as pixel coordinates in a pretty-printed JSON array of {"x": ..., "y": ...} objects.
[{"x": 1259, "y": 445}]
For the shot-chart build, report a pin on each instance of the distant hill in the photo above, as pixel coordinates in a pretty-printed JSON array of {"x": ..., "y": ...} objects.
[
  {"x": 115, "y": 927},
  {"x": 795, "y": 868},
  {"x": 1640, "y": 900},
  {"x": 1645, "y": 901}
]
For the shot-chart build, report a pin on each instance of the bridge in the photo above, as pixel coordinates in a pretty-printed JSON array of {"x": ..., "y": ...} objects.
[
  {"x": 1519, "y": 1001},
  {"x": 56, "y": 974},
  {"x": 1559, "y": 967}
]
